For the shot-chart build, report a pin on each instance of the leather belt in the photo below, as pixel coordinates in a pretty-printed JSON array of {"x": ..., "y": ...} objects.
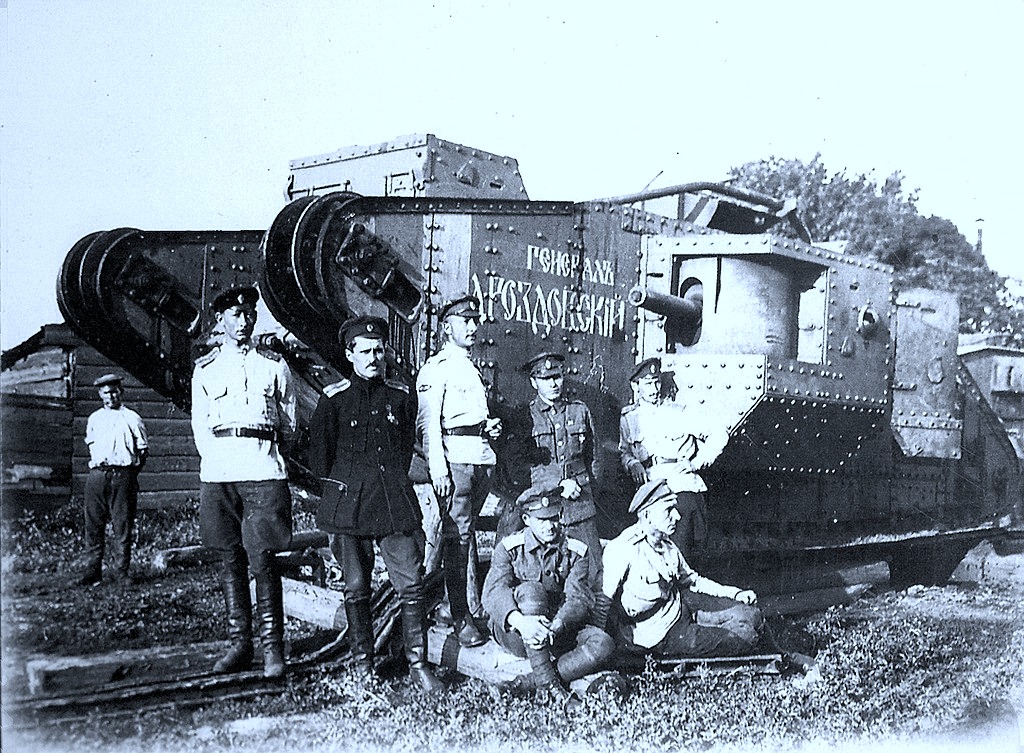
[
  {"x": 657, "y": 461},
  {"x": 104, "y": 468},
  {"x": 476, "y": 430},
  {"x": 244, "y": 431}
]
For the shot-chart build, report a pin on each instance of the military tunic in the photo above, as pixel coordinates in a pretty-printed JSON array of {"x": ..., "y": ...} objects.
[
  {"x": 243, "y": 409},
  {"x": 361, "y": 444},
  {"x": 560, "y": 567},
  {"x": 648, "y": 579},
  {"x": 555, "y": 441},
  {"x": 241, "y": 390}
]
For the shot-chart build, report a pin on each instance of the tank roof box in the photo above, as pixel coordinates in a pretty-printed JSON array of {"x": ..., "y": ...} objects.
[{"x": 417, "y": 166}]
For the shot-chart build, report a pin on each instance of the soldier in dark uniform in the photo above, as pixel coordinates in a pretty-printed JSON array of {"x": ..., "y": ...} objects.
[
  {"x": 660, "y": 439},
  {"x": 361, "y": 444},
  {"x": 553, "y": 439},
  {"x": 243, "y": 410},
  {"x": 538, "y": 596}
]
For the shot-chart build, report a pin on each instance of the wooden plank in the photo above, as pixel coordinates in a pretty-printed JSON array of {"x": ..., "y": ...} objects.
[
  {"x": 158, "y": 482},
  {"x": 489, "y": 662},
  {"x": 154, "y": 426},
  {"x": 165, "y": 499},
  {"x": 317, "y": 606},
  {"x": 48, "y": 674},
  {"x": 196, "y": 554}
]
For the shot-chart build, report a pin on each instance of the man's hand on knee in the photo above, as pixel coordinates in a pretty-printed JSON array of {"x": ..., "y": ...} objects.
[{"x": 534, "y": 629}]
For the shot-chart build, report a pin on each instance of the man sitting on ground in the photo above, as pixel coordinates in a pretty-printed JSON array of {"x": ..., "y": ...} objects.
[
  {"x": 538, "y": 597},
  {"x": 662, "y": 605}
]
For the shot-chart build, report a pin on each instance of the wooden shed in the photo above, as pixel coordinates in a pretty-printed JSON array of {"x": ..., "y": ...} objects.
[{"x": 47, "y": 396}]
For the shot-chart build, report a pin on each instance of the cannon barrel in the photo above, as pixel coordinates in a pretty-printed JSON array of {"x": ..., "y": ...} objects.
[{"x": 686, "y": 308}]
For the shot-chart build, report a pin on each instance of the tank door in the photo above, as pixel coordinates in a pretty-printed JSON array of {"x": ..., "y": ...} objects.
[{"x": 925, "y": 417}]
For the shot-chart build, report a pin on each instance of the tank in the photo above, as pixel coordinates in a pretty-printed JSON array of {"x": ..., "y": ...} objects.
[{"x": 855, "y": 427}]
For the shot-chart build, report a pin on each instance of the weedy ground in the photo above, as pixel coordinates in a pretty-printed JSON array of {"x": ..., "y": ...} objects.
[{"x": 922, "y": 669}]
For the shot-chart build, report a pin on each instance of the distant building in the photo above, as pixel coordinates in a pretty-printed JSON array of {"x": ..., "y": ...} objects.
[{"x": 46, "y": 395}]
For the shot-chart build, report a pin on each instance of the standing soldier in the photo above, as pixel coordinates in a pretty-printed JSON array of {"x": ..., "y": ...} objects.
[
  {"x": 659, "y": 439},
  {"x": 361, "y": 443},
  {"x": 455, "y": 425},
  {"x": 243, "y": 410},
  {"x": 555, "y": 440},
  {"x": 539, "y": 598},
  {"x": 118, "y": 447}
]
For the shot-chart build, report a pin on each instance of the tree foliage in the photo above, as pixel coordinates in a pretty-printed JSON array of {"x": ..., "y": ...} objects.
[{"x": 881, "y": 221}]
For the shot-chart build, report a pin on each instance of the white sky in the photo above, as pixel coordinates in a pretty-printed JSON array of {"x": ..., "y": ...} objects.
[{"x": 184, "y": 115}]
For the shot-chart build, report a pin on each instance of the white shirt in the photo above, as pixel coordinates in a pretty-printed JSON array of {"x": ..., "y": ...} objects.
[
  {"x": 241, "y": 388},
  {"x": 451, "y": 394},
  {"x": 115, "y": 437},
  {"x": 648, "y": 577}
]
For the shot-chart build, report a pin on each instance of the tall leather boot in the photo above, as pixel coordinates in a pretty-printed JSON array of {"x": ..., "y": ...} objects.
[
  {"x": 456, "y": 560},
  {"x": 414, "y": 633},
  {"x": 360, "y": 634},
  {"x": 238, "y": 603},
  {"x": 542, "y": 667},
  {"x": 270, "y": 607}
]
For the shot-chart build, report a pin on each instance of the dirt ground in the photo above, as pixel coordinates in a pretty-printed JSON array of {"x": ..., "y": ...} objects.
[{"x": 44, "y": 614}]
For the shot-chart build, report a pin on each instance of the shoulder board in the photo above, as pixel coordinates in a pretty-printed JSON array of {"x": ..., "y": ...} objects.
[
  {"x": 635, "y": 535},
  {"x": 628, "y": 408},
  {"x": 206, "y": 359},
  {"x": 333, "y": 389},
  {"x": 397, "y": 385},
  {"x": 576, "y": 546},
  {"x": 273, "y": 355},
  {"x": 513, "y": 540}
]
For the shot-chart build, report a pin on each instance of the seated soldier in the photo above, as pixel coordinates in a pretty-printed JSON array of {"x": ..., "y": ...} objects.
[
  {"x": 662, "y": 605},
  {"x": 538, "y": 598}
]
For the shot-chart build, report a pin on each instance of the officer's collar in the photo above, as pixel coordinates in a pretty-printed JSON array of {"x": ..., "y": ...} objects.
[
  {"x": 532, "y": 543},
  {"x": 543, "y": 404}
]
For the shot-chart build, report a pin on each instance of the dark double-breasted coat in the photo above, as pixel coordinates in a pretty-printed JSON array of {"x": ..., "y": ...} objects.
[{"x": 361, "y": 443}]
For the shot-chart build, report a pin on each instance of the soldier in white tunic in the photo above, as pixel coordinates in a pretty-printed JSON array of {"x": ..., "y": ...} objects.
[
  {"x": 456, "y": 428},
  {"x": 243, "y": 411},
  {"x": 660, "y": 439},
  {"x": 659, "y": 603}
]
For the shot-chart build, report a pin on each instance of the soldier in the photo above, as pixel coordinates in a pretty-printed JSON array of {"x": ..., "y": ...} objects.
[
  {"x": 662, "y": 604},
  {"x": 118, "y": 448},
  {"x": 243, "y": 410},
  {"x": 554, "y": 439},
  {"x": 455, "y": 425},
  {"x": 539, "y": 598},
  {"x": 361, "y": 443},
  {"x": 660, "y": 439}
]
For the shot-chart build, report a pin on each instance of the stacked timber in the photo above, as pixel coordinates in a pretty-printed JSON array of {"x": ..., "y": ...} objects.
[{"x": 47, "y": 398}]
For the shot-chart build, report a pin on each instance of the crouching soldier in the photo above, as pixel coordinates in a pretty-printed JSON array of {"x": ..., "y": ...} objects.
[
  {"x": 361, "y": 442},
  {"x": 661, "y": 604},
  {"x": 538, "y": 597}
]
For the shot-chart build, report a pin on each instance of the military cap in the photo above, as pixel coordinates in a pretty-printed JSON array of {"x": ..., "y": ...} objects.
[
  {"x": 646, "y": 368},
  {"x": 649, "y": 493},
  {"x": 467, "y": 306},
  {"x": 544, "y": 365},
  {"x": 237, "y": 296},
  {"x": 541, "y": 503},
  {"x": 111, "y": 379},
  {"x": 362, "y": 326}
]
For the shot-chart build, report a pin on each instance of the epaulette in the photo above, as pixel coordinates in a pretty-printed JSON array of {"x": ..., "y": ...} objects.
[
  {"x": 207, "y": 358},
  {"x": 333, "y": 389},
  {"x": 577, "y": 546},
  {"x": 629, "y": 408},
  {"x": 513, "y": 540},
  {"x": 635, "y": 536},
  {"x": 395, "y": 384}
]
